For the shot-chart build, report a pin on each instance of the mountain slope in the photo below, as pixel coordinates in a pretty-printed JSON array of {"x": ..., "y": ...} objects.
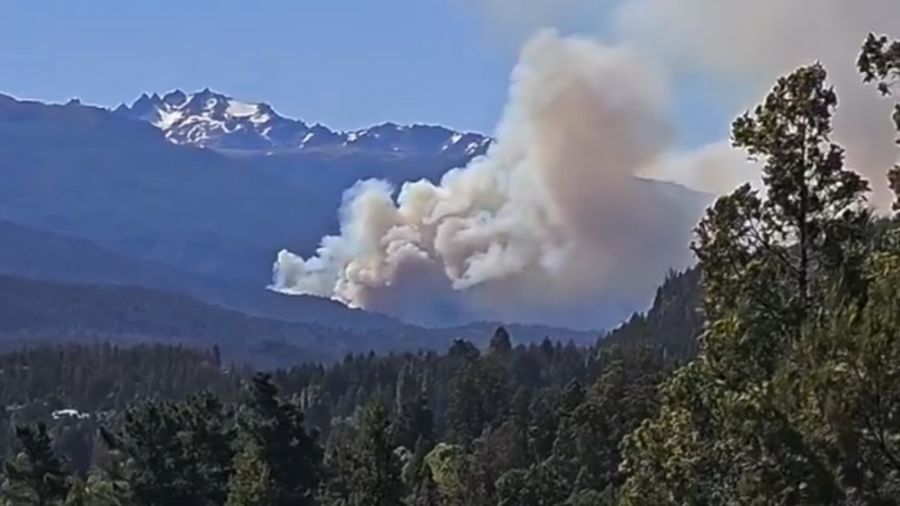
[
  {"x": 34, "y": 311},
  {"x": 86, "y": 173},
  {"x": 41, "y": 255},
  {"x": 674, "y": 321},
  {"x": 214, "y": 120},
  {"x": 177, "y": 217}
]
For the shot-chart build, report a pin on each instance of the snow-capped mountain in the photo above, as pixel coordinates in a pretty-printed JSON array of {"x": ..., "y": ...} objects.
[{"x": 217, "y": 121}]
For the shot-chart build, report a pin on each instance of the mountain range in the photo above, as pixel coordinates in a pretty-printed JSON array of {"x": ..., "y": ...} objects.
[
  {"x": 214, "y": 120},
  {"x": 192, "y": 195}
]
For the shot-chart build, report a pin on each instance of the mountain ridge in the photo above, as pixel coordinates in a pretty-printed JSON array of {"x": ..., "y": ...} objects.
[
  {"x": 90, "y": 174},
  {"x": 34, "y": 311},
  {"x": 210, "y": 119},
  {"x": 41, "y": 255}
]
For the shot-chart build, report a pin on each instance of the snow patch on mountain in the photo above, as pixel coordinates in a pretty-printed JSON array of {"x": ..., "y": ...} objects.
[{"x": 217, "y": 121}]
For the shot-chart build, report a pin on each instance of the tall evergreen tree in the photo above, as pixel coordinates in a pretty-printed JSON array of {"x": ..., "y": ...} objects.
[
  {"x": 177, "y": 454},
  {"x": 500, "y": 342},
  {"x": 478, "y": 398},
  {"x": 373, "y": 478},
  {"x": 276, "y": 427},
  {"x": 150, "y": 439},
  {"x": 36, "y": 476},
  {"x": 415, "y": 423},
  {"x": 208, "y": 437}
]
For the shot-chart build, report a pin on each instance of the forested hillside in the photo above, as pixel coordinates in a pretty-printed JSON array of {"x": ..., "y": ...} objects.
[
  {"x": 35, "y": 312},
  {"x": 41, "y": 312},
  {"x": 471, "y": 401}
]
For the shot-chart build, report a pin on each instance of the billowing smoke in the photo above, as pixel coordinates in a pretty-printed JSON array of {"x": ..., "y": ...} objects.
[
  {"x": 556, "y": 224},
  {"x": 748, "y": 44},
  {"x": 744, "y": 45},
  {"x": 550, "y": 226}
]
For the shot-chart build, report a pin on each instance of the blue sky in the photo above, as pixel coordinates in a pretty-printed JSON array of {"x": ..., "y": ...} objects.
[{"x": 346, "y": 63}]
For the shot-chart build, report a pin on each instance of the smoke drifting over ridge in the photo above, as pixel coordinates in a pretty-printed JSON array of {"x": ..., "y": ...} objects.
[
  {"x": 745, "y": 45},
  {"x": 749, "y": 44},
  {"x": 551, "y": 226}
]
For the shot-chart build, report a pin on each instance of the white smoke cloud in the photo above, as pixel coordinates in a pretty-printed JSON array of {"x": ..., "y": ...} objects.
[
  {"x": 748, "y": 44},
  {"x": 751, "y": 43},
  {"x": 553, "y": 225},
  {"x": 550, "y": 226},
  {"x": 713, "y": 169}
]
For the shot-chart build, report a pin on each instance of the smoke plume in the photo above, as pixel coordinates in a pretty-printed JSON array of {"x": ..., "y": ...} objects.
[
  {"x": 745, "y": 45},
  {"x": 559, "y": 222},
  {"x": 749, "y": 44},
  {"x": 550, "y": 226}
]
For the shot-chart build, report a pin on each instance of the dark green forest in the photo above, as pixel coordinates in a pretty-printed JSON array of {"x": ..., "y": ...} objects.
[{"x": 769, "y": 374}]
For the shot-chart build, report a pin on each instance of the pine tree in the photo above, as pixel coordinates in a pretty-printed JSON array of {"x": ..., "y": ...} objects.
[
  {"x": 176, "y": 453},
  {"x": 155, "y": 467},
  {"x": 36, "y": 476},
  {"x": 106, "y": 490},
  {"x": 500, "y": 342},
  {"x": 418, "y": 479},
  {"x": 276, "y": 428},
  {"x": 208, "y": 437},
  {"x": 415, "y": 422},
  {"x": 373, "y": 475},
  {"x": 478, "y": 398}
]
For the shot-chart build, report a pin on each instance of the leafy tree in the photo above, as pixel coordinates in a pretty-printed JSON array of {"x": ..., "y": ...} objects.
[
  {"x": 36, "y": 476},
  {"x": 729, "y": 430},
  {"x": 806, "y": 225},
  {"x": 446, "y": 463},
  {"x": 851, "y": 400},
  {"x": 879, "y": 61},
  {"x": 527, "y": 406},
  {"x": 586, "y": 451}
]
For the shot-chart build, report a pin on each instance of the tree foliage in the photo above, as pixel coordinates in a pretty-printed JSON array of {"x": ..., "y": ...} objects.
[
  {"x": 36, "y": 475},
  {"x": 792, "y": 281},
  {"x": 879, "y": 62}
]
